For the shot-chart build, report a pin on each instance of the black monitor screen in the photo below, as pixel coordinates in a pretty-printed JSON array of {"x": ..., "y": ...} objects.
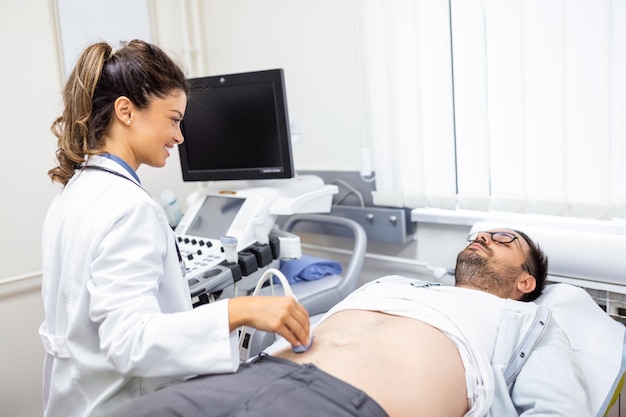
[{"x": 237, "y": 127}]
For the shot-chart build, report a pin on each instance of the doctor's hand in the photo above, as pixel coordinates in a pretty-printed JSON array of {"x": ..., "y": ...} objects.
[{"x": 277, "y": 314}]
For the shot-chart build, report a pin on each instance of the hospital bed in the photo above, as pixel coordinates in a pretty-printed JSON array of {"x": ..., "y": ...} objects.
[{"x": 579, "y": 260}]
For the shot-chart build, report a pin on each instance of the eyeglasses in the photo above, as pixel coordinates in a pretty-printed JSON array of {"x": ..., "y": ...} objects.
[{"x": 504, "y": 238}]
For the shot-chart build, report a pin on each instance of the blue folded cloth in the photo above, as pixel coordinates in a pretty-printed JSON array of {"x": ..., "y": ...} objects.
[{"x": 308, "y": 268}]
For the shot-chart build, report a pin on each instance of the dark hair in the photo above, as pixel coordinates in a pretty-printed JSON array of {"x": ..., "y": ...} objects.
[
  {"x": 139, "y": 70},
  {"x": 538, "y": 263}
]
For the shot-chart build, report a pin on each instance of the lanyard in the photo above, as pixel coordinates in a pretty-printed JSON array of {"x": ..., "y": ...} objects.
[
  {"x": 122, "y": 163},
  {"x": 110, "y": 171}
]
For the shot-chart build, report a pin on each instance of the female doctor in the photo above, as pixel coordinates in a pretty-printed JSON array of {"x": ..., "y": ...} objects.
[{"x": 118, "y": 316}]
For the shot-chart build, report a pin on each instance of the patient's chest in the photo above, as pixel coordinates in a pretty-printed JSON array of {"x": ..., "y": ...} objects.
[{"x": 469, "y": 317}]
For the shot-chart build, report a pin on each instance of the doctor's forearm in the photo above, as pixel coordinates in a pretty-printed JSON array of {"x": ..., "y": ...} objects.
[{"x": 282, "y": 315}]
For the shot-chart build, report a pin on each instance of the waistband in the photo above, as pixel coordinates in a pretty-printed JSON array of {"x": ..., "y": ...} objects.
[{"x": 354, "y": 397}]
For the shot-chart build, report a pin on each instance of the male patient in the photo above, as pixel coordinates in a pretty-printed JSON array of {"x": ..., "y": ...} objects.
[{"x": 403, "y": 347}]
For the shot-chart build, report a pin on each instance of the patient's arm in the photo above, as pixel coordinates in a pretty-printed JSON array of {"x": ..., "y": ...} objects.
[{"x": 551, "y": 382}]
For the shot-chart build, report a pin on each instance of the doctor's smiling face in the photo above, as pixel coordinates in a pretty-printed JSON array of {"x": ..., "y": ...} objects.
[
  {"x": 496, "y": 262},
  {"x": 146, "y": 136},
  {"x": 127, "y": 102}
]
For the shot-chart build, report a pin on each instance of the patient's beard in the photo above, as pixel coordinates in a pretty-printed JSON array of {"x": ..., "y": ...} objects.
[{"x": 484, "y": 273}]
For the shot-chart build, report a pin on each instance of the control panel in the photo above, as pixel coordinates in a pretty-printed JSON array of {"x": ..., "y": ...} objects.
[{"x": 207, "y": 270}]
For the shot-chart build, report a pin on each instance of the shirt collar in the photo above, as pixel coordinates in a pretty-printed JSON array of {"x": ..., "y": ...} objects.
[{"x": 122, "y": 163}]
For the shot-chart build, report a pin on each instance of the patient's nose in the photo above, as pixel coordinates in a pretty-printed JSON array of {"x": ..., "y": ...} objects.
[{"x": 484, "y": 236}]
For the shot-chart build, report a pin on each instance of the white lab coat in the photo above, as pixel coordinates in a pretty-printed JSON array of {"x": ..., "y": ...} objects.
[{"x": 119, "y": 321}]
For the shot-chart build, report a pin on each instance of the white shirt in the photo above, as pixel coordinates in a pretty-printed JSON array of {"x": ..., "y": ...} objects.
[{"x": 446, "y": 308}]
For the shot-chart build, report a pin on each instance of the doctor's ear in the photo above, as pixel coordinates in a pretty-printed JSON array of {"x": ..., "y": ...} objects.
[{"x": 123, "y": 109}]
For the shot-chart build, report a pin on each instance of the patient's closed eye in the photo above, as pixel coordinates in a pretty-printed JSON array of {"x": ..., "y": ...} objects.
[{"x": 500, "y": 237}]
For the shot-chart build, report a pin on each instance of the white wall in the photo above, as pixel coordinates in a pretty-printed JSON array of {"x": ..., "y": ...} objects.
[{"x": 29, "y": 82}]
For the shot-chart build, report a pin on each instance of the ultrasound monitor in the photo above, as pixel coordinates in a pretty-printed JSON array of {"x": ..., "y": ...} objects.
[{"x": 236, "y": 127}]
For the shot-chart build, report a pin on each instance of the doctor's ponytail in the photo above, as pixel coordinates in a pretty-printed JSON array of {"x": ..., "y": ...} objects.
[
  {"x": 71, "y": 128},
  {"x": 139, "y": 71}
]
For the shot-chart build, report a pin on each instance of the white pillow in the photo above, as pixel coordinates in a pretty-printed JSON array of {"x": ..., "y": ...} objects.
[{"x": 596, "y": 338}]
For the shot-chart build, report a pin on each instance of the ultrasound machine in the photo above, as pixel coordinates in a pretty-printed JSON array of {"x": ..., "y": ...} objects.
[{"x": 238, "y": 143}]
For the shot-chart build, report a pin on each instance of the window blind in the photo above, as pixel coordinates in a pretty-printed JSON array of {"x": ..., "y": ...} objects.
[{"x": 503, "y": 105}]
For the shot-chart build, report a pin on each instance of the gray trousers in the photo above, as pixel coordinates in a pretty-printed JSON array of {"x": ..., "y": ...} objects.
[{"x": 267, "y": 386}]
